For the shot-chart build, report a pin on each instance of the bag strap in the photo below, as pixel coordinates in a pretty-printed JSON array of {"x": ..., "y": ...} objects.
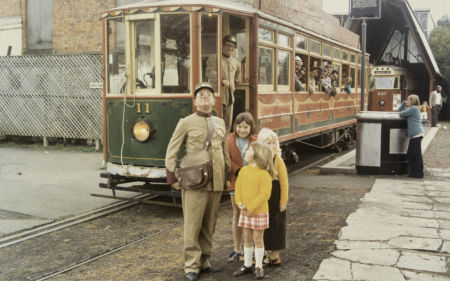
[{"x": 210, "y": 133}]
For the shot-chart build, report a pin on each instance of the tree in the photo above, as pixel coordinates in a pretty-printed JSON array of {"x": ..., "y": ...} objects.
[{"x": 439, "y": 43}]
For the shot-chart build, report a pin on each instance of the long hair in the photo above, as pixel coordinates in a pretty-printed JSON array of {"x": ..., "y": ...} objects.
[
  {"x": 263, "y": 156},
  {"x": 414, "y": 100},
  {"x": 247, "y": 118},
  {"x": 270, "y": 137}
]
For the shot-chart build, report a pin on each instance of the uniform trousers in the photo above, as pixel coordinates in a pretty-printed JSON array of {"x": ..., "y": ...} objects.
[
  {"x": 435, "y": 114},
  {"x": 228, "y": 117},
  {"x": 414, "y": 157},
  {"x": 200, "y": 209}
]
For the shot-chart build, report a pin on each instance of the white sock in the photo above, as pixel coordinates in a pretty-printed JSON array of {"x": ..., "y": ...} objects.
[
  {"x": 248, "y": 255},
  {"x": 259, "y": 255}
]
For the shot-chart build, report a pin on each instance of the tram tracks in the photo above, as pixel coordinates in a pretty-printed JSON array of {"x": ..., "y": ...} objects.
[{"x": 58, "y": 225}]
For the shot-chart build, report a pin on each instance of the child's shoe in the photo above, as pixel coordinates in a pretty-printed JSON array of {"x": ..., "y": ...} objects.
[
  {"x": 259, "y": 273},
  {"x": 242, "y": 271},
  {"x": 234, "y": 256}
]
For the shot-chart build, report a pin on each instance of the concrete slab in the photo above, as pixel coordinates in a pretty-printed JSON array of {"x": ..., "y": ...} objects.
[
  {"x": 369, "y": 256},
  {"x": 11, "y": 226},
  {"x": 353, "y": 245},
  {"x": 376, "y": 273},
  {"x": 446, "y": 247},
  {"x": 334, "y": 269},
  {"x": 48, "y": 184},
  {"x": 416, "y": 243},
  {"x": 420, "y": 276},
  {"x": 445, "y": 234},
  {"x": 422, "y": 262}
]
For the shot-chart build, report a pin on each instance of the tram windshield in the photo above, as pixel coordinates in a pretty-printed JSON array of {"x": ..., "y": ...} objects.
[{"x": 384, "y": 82}]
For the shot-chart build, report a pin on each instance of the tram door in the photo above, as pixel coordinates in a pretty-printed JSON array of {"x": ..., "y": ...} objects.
[{"x": 239, "y": 26}]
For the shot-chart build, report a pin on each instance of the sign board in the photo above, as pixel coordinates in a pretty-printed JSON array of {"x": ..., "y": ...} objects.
[{"x": 365, "y": 9}]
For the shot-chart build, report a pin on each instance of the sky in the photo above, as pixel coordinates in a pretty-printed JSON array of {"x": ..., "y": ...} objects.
[{"x": 438, "y": 7}]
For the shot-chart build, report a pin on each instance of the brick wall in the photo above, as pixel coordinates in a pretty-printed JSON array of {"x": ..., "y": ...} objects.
[
  {"x": 76, "y": 25},
  {"x": 10, "y": 8}
]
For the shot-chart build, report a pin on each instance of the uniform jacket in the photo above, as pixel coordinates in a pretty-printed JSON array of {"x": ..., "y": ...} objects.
[
  {"x": 412, "y": 114},
  {"x": 432, "y": 99},
  {"x": 231, "y": 71},
  {"x": 253, "y": 189},
  {"x": 191, "y": 133},
  {"x": 235, "y": 157}
]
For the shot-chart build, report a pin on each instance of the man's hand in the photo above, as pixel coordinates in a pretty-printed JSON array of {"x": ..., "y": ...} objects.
[
  {"x": 176, "y": 186},
  {"x": 282, "y": 208},
  {"x": 226, "y": 83},
  {"x": 228, "y": 184}
]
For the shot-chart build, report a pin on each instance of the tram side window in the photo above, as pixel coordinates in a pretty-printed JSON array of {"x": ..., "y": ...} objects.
[
  {"x": 175, "y": 53},
  {"x": 145, "y": 54},
  {"x": 283, "y": 70},
  {"x": 210, "y": 70},
  {"x": 300, "y": 71},
  {"x": 353, "y": 76},
  {"x": 116, "y": 57},
  {"x": 314, "y": 75},
  {"x": 336, "y": 83},
  {"x": 238, "y": 26},
  {"x": 265, "y": 68}
]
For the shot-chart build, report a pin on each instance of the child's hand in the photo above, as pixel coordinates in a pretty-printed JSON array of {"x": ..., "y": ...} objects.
[
  {"x": 282, "y": 208},
  {"x": 228, "y": 184},
  {"x": 241, "y": 206},
  {"x": 246, "y": 213}
]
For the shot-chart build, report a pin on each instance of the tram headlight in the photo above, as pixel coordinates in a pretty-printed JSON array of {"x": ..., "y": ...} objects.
[
  {"x": 142, "y": 130},
  {"x": 381, "y": 102}
]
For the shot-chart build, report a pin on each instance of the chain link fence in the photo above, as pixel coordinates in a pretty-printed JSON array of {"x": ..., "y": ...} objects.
[{"x": 51, "y": 96}]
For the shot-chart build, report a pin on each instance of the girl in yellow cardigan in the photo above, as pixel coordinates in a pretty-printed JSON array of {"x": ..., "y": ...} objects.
[
  {"x": 252, "y": 191},
  {"x": 275, "y": 235}
]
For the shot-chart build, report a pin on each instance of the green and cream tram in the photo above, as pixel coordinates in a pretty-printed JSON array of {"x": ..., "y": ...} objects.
[{"x": 156, "y": 51}]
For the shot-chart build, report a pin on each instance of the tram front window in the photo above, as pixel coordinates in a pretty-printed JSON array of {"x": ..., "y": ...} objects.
[
  {"x": 175, "y": 53},
  {"x": 116, "y": 57},
  {"x": 384, "y": 82},
  {"x": 145, "y": 54}
]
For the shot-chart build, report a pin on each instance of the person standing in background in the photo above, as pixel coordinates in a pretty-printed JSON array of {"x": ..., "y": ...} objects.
[{"x": 435, "y": 103}]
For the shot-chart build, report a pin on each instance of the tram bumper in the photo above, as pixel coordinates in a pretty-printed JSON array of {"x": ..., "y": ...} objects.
[{"x": 135, "y": 171}]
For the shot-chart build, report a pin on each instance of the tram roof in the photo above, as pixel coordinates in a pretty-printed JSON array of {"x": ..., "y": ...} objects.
[{"x": 216, "y": 6}]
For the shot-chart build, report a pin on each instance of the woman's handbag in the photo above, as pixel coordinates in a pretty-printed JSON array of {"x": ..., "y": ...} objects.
[{"x": 195, "y": 168}]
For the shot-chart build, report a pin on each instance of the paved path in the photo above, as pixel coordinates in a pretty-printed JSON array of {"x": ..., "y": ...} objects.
[{"x": 401, "y": 231}]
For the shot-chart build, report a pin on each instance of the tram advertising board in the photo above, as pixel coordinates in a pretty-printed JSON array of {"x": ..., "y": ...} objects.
[{"x": 365, "y": 9}]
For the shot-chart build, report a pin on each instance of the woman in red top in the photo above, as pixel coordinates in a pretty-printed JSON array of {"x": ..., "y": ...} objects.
[{"x": 238, "y": 142}]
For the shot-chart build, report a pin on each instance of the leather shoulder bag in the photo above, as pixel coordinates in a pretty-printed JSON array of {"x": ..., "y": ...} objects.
[{"x": 195, "y": 169}]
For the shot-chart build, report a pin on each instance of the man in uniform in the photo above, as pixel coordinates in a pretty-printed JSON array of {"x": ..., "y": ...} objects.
[
  {"x": 435, "y": 102},
  {"x": 231, "y": 74},
  {"x": 200, "y": 206}
]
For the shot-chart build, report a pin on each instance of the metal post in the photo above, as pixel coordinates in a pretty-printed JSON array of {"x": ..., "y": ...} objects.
[{"x": 363, "y": 62}]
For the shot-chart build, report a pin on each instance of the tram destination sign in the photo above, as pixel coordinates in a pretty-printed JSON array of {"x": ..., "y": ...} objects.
[{"x": 365, "y": 9}]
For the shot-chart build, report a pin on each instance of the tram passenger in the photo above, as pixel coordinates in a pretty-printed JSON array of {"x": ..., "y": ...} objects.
[
  {"x": 231, "y": 74},
  {"x": 238, "y": 143},
  {"x": 200, "y": 206},
  {"x": 348, "y": 84},
  {"x": 275, "y": 235},
  {"x": 410, "y": 109},
  {"x": 334, "y": 80},
  {"x": 435, "y": 102},
  {"x": 298, "y": 75},
  {"x": 253, "y": 187},
  {"x": 325, "y": 81},
  {"x": 314, "y": 75}
]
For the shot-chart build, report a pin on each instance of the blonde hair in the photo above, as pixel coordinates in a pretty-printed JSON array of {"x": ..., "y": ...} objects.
[
  {"x": 414, "y": 99},
  {"x": 269, "y": 136},
  {"x": 263, "y": 156}
]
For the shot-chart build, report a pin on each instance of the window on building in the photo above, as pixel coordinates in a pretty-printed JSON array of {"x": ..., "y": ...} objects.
[{"x": 40, "y": 24}]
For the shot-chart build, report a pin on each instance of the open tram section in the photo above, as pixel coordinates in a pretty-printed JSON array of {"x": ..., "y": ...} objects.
[{"x": 155, "y": 51}]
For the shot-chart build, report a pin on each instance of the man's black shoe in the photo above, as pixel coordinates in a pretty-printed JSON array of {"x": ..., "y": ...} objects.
[
  {"x": 191, "y": 276},
  {"x": 209, "y": 269}
]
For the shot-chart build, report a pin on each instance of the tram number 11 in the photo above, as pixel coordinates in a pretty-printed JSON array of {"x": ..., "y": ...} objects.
[{"x": 147, "y": 108}]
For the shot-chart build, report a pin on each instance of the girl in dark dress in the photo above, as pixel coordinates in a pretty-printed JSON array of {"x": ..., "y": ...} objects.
[{"x": 275, "y": 235}]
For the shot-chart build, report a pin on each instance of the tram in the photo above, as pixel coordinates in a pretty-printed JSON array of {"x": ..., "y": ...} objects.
[
  {"x": 393, "y": 85},
  {"x": 155, "y": 51}
]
